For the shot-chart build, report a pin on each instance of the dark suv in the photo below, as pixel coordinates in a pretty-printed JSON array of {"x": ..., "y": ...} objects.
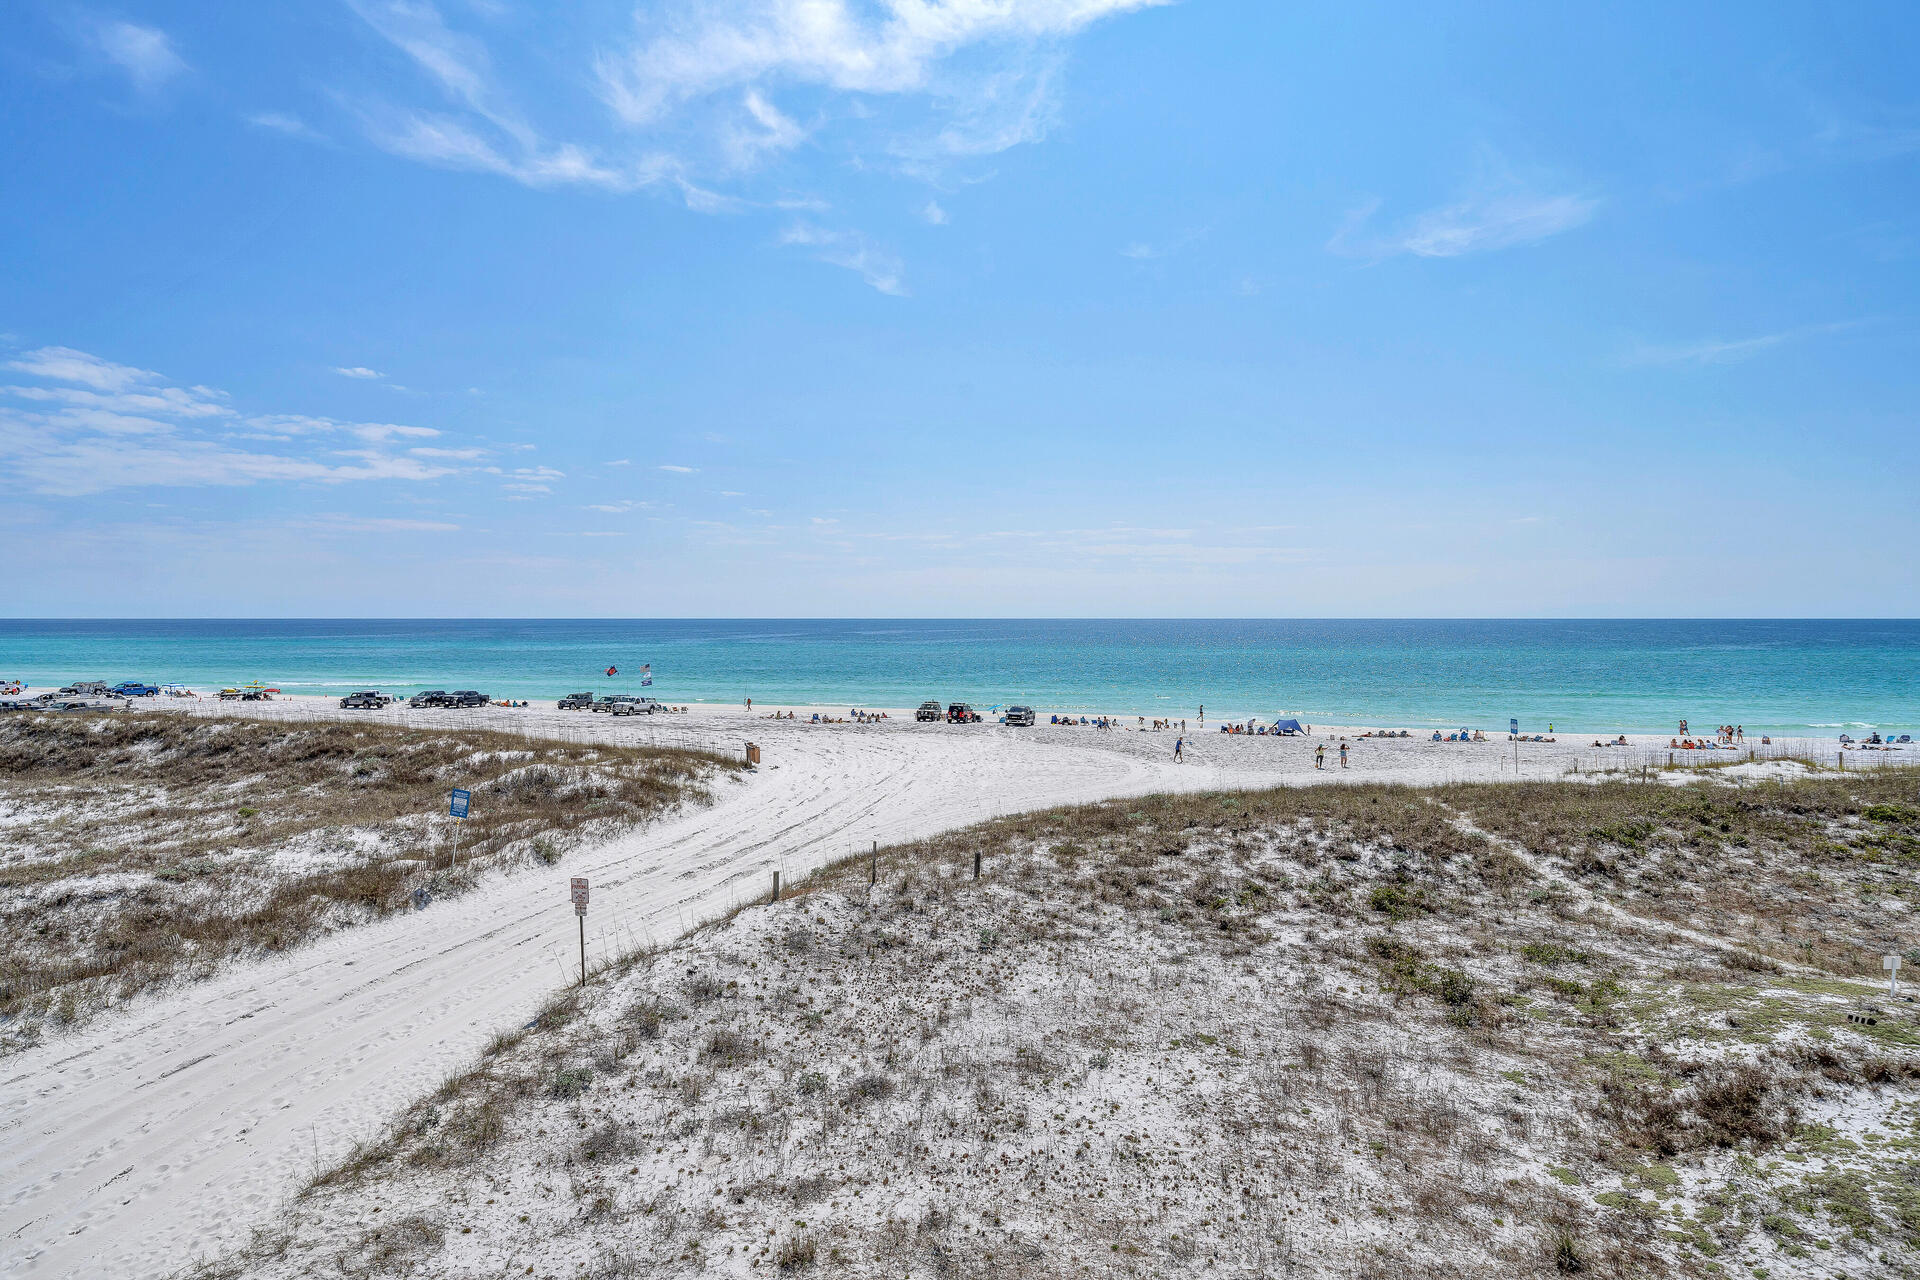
[
  {"x": 466, "y": 698},
  {"x": 1019, "y": 715},
  {"x": 576, "y": 702},
  {"x": 961, "y": 713},
  {"x": 928, "y": 711}
]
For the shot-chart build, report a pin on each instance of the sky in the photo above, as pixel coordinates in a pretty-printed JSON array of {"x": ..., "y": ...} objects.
[{"x": 959, "y": 308}]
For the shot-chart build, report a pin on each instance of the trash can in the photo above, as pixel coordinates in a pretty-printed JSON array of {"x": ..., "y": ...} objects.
[{"x": 753, "y": 753}]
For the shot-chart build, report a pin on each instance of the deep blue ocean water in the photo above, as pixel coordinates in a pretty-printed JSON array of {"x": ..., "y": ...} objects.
[{"x": 1796, "y": 676}]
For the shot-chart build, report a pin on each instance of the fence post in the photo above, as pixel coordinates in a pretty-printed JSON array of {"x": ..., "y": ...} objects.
[
  {"x": 976, "y": 864},
  {"x": 776, "y": 886},
  {"x": 873, "y": 864}
]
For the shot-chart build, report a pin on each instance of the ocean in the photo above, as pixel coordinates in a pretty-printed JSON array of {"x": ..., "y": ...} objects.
[{"x": 1772, "y": 676}]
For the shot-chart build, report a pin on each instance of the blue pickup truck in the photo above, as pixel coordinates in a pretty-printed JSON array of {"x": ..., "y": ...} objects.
[{"x": 135, "y": 689}]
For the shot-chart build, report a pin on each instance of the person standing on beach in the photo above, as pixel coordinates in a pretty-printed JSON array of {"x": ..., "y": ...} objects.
[
  {"x": 1203, "y": 715},
  {"x": 1320, "y": 756},
  {"x": 1178, "y": 743},
  {"x": 749, "y": 704},
  {"x": 1343, "y": 755}
]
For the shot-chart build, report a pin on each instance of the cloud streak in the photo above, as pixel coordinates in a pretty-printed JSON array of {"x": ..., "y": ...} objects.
[
  {"x": 83, "y": 425},
  {"x": 1503, "y": 214}
]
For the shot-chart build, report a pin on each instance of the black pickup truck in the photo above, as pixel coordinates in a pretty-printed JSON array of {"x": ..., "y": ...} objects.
[
  {"x": 431, "y": 698},
  {"x": 466, "y": 698}
]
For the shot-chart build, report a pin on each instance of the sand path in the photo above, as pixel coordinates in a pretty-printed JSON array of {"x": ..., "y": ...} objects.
[{"x": 165, "y": 1132}]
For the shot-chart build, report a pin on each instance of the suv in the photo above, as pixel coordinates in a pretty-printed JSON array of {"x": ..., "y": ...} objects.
[
  {"x": 365, "y": 700},
  {"x": 961, "y": 713},
  {"x": 576, "y": 702},
  {"x": 928, "y": 711},
  {"x": 467, "y": 698},
  {"x": 1019, "y": 715},
  {"x": 431, "y": 698}
]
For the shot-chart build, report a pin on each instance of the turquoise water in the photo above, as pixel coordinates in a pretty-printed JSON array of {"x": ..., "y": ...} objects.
[{"x": 1587, "y": 676}]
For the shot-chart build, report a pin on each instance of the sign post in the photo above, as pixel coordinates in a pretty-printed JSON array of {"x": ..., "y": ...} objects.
[
  {"x": 580, "y": 910},
  {"x": 1892, "y": 965},
  {"x": 457, "y": 805}
]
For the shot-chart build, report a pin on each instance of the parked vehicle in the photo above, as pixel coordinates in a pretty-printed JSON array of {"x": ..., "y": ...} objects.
[
  {"x": 612, "y": 701},
  {"x": 365, "y": 700},
  {"x": 1019, "y": 716},
  {"x": 137, "y": 689},
  {"x": 928, "y": 711},
  {"x": 634, "y": 707},
  {"x": 430, "y": 698},
  {"x": 576, "y": 702},
  {"x": 466, "y": 698},
  {"x": 87, "y": 688},
  {"x": 961, "y": 713}
]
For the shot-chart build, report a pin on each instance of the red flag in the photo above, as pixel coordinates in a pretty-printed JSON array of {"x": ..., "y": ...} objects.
[{"x": 613, "y": 671}]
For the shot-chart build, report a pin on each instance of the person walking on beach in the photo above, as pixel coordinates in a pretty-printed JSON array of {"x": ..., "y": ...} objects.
[
  {"x": 749, "y": 704},
  {"x": 1320, "y": 756},
  {"x": 1343, "y": 755},
  {"x": 1178, "y": 743}
]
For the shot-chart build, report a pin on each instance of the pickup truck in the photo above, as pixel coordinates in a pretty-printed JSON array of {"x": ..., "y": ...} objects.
[
  {"x": 466, "y": 698},
  {"x": 137, "y": 689},
  {"x": 576, "y": 702},
  {"x": 431, "y": 698},
  {"x": 928, "y": 711},
  {"x": 612, "y": 701},
  {"x": 365, "y": 700},
  {"x": 634, "y": 707},
  {"x": 1019, "y": 716},
  {"x": 87, "y": 689},
  {"x": 961, "y": 713}
]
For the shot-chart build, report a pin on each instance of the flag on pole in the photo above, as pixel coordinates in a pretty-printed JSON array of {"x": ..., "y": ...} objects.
[
  {"x": 646, "y": 674},
  {"x": 613, "y": 671}
]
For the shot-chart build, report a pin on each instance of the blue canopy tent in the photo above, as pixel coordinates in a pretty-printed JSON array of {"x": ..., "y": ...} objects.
[{"x": 1287, "y": 726}]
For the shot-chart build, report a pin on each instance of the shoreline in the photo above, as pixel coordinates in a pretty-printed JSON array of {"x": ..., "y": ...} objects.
[
  {"x": 1421, "y": 728},
  {"x": 1247, "y": 760}
]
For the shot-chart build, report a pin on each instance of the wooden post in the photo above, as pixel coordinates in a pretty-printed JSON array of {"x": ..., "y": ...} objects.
[
  {"x": 873, "y": 864},
  {"x": 583, "y": 951},
  {"x": 776, "y": 886},
  {"x": 976, "y": 864}
]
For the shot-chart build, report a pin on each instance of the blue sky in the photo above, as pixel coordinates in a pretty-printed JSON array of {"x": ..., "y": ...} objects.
[{"x": 1002, "y": 307}]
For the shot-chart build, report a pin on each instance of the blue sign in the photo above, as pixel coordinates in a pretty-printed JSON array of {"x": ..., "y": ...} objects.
[
  {"x": 458, "y": 805},
  {"x": 1513, "y": 728}
]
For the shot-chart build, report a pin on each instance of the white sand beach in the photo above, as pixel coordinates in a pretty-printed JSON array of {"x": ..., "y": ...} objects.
[{"x": 274, "y": 1069}]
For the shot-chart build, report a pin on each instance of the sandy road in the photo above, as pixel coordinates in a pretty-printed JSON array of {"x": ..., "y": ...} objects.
[{"x": 165, "y": 1132}]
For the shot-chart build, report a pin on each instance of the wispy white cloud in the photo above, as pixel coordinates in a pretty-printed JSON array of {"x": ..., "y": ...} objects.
[
  {"x": 341, "y": 523},
  {"x": 933, "y": 215},
  {"x": 1727, "y": 350},
  {"x": 86, "y": 425},
  {"x": 1141, "y": 251},
  {"x": 287, "y": 125},
  {"x": 1500, "y": 212},
  {"x": 685, "y": 471},
  {"x": 145, "y": 54},
  {"x": 697, "y": 86},
  {"x": 64, "y": 364},
  {"x": 852, "y": 250},
  {"x": 831, "y": 44},
  {"x": 360, "y": 371}
]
